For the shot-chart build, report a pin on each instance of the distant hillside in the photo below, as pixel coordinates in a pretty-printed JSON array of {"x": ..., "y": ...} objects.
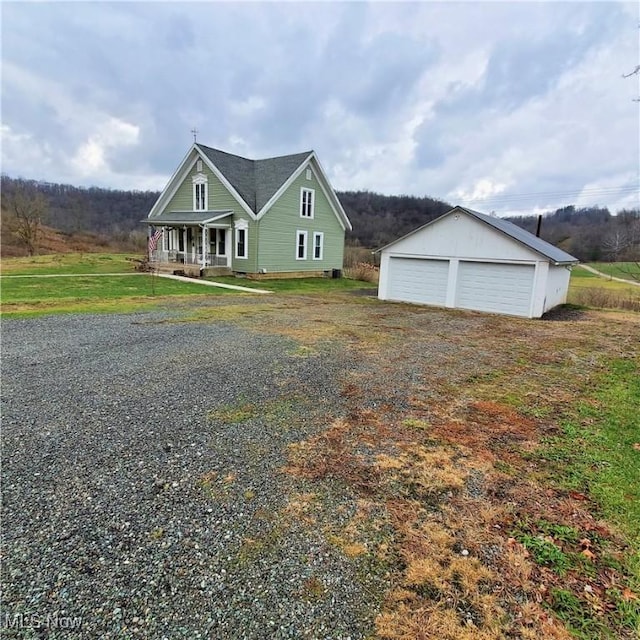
[
  {"x": 588, "y": 233},
  {"x": 378, "y": 219}
]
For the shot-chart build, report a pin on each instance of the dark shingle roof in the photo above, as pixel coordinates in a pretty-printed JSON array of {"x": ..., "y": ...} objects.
[
  {"x": 256, "y": 181},
  {"x": 523, "y": 236}
]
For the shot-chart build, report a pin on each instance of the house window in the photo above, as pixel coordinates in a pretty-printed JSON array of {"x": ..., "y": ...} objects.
[
  {"x": 200, "y": 192},
  {"x": 308, "y": 174},
  {"x": 199, "y": 166},
  {"x": 241, "y": 243},
  {"x": 301, "y": 245},
  {"x": 307, "y": 196},
  {"x": 242, "y": 239},
  {"x": 318, "y": 245},
  {"x": 201, "y": 198}
]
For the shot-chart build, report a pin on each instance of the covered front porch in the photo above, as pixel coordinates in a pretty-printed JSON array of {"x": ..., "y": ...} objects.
[{"x": 199, "y": 240}]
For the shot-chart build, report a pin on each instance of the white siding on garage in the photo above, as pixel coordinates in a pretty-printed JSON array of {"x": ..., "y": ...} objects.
[
  {"x": 557, "y": 286},
  {"x": 418, "y": 280},
  {"x": 495, "y": 287}
]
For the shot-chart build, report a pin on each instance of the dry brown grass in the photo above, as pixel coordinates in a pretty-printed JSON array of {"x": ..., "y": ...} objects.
[
  {"x": 463, "y": 381},
  {"x": 355, "y": 255},
  {"x": 599, "y": 298},
  {"x": 364, "y": 271}
]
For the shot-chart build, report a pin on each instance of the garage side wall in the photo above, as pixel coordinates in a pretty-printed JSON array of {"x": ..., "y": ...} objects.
[{"x": 557, "y": 286}]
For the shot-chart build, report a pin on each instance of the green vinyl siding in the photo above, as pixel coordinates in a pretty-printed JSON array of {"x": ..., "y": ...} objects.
[
  {"x": 217, "y": 194},
  {"x": 274, "y": 236},
  {"x": 248, "y": 264},
  {"x": 278, "y": 231},
  {"x": 218, "y": 198}
]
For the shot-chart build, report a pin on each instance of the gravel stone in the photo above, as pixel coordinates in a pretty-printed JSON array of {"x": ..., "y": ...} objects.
[{"x": 131, "y": 510}]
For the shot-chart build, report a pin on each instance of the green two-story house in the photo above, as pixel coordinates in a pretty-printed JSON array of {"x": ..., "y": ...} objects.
[{"x": 224, "y": 213}]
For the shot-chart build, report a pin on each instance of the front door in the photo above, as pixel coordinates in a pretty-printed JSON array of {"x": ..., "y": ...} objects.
[
  {"x": 213, "y": 233},
  {"x": 218, "y": 246}
]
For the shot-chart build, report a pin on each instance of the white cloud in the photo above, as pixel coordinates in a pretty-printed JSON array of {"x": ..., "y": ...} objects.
[
  {"x": 481, "y": 190},
  {"x": 451, "y": 100},
  {"x": 91, "y": 158}
]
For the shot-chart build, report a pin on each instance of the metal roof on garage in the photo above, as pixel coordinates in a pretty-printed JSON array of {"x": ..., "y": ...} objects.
[{"x": 519, "y": 234}]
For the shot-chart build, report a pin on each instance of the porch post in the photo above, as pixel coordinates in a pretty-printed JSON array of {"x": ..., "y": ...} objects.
[
  {"x": 205, "y": 233},
  {"x": 184, "y": 244}
]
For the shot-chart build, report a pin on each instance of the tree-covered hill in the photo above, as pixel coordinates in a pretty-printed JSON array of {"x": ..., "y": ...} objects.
[{"x": 588, "y": 233}]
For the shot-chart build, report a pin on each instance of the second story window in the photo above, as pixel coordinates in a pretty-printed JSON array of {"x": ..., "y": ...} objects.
[
  {"x": 307, "y": 197},
  {"x": 200, "y": 192}
]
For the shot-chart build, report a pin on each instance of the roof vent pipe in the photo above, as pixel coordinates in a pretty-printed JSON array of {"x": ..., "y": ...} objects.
[{"x": 539, "y": 225}]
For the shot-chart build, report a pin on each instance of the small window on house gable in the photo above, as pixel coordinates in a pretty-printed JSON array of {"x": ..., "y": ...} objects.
[
  {"x": 307, "y": 197},
  {"x": 200, "y": 192},
  {"x": 308, "y": 174}
]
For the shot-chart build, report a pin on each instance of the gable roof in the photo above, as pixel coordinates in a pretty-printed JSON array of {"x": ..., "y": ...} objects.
[
  {"x": 524, "y": 237},
  {"x": 515, "y": 232},
  {"x": 255, "y": 184},
  {"x": 256, "y": 181}
]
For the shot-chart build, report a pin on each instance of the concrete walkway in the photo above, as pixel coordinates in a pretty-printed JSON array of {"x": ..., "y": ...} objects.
[
  {"x": 207, "y": 283},
  {"x": 607, "y": 276}
]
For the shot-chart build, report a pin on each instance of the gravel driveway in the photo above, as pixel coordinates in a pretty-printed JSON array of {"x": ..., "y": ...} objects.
[{"x": 137, "y": 504}]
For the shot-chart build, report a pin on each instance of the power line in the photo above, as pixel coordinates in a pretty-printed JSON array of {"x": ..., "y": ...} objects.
[{"x": 575, "y": 193}]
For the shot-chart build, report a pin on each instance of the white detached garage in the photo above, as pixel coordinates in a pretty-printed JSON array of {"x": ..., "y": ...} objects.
[{"x": 468, "y": 260}]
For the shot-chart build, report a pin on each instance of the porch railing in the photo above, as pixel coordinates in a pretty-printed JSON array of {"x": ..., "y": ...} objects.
[{"x": 181, "y": 257}]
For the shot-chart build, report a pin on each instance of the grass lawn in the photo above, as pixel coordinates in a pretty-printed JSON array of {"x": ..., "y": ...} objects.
[
  {"x": 591, "y": 290},
  {"x": 627, "y": 270},
  {"x": 298, "y": 285},
  {"x": 69, "y": 263},
  {"x": 89, "y": 294},
  {"x": 127, "y": 292}
]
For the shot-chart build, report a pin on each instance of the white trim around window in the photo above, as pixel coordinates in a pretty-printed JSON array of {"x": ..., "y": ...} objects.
[
  {"x": 242, "y": 239},
  {"x": 307, "y": 202},
  {"x": 200, "y": 192},
  {"x": 318, "y": 245},
  {"x": 301, "y": 245}
]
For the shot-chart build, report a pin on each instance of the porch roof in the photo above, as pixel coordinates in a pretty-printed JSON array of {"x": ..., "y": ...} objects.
[{"x": 188, "y": 217}]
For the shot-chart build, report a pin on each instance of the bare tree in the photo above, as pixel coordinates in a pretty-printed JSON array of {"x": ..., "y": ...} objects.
[
  {"x": 614, "y": 243},
  {"x": 28, "y": 209}
]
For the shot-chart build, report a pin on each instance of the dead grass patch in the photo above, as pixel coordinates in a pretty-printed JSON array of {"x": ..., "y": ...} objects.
[
  {"x": 364, "y": 271},
  {"x": 445, "y": 466}
]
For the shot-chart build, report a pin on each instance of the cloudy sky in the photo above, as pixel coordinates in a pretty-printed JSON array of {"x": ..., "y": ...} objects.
[{"x": 503, "y": 106}]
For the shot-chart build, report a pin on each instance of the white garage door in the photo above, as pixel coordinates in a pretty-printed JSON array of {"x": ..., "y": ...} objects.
[
  {"x": 501, "y": 288},
  {"x": 416, "y": 280}
]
